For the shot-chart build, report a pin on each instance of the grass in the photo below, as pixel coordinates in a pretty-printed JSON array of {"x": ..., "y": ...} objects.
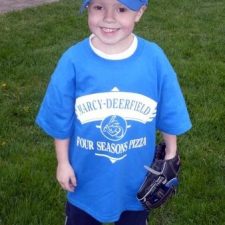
[{"x": 32, "y": 40}]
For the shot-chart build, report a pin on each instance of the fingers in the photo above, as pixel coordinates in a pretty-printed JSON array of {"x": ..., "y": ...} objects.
[
  {"x": 69, "y": 184},
  {"x": 73, "y": 181},
  {"x": 66, "y": 177}
]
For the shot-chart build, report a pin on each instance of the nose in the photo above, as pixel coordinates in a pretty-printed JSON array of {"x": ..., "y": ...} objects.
[{"x": 109, "y": 15}]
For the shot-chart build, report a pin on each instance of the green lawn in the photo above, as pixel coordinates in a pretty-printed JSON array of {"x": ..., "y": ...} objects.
[{"x": 192, "y": 33}]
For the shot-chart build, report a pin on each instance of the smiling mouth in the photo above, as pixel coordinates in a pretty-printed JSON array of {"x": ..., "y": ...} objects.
[{"x": 109, "y": 30}]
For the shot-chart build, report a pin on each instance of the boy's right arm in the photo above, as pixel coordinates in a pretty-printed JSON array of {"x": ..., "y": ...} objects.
[{"x": 65, "y": 173}]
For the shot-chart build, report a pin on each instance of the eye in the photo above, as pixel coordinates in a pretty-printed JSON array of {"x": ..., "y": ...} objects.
[
  {"x": 96, "y": 7},
  {"x": 122, "y": 9}
]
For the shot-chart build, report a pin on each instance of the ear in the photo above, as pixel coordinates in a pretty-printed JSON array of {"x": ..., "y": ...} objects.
[{"x": 139, "y": 14}]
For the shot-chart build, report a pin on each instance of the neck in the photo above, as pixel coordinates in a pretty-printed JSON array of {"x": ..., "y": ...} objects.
[{"x": 111, "y": 49}]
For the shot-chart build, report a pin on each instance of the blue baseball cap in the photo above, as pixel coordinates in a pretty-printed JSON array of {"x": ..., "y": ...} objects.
[{"x": 134, "y": 5}]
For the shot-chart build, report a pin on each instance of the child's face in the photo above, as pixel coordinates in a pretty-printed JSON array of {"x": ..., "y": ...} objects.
[{"x": 112, "y": 23}]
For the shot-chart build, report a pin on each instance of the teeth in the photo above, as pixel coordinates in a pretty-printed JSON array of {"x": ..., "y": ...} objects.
[{"x": 108, "y": 30}]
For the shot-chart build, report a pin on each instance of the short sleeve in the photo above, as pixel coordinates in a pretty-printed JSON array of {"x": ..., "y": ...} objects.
[
  {"x": 172, "y": 113},
  {"x": 56, "y": 114}
]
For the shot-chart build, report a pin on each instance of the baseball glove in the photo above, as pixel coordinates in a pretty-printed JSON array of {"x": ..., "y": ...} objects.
[{"x": 161, "y": 180}]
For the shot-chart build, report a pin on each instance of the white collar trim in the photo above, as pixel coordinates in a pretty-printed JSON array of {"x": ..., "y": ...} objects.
[{"x": 123, "y": 55}]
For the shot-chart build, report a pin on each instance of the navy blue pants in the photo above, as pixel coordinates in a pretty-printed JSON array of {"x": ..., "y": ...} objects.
[{"x": 76, "y": 216}]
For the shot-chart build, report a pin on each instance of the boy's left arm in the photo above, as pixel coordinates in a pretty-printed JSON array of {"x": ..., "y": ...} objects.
[{"x": 171, "y": 145}]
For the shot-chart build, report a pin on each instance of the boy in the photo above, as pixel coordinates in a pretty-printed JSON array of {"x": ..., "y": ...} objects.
[{"x": 107, "y": 97}]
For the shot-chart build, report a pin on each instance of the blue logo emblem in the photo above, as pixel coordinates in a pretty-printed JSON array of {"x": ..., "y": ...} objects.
[{"x": 113, "y": 128}]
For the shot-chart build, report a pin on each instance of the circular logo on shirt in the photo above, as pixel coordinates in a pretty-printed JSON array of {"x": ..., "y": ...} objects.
[{"x": 114, "y": 127}]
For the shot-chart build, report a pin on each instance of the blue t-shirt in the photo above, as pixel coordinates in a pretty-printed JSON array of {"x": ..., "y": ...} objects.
[{"x": 110, "y": 110}]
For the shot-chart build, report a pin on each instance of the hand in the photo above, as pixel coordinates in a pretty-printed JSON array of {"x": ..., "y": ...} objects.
[{"x": 66, "y": 176}]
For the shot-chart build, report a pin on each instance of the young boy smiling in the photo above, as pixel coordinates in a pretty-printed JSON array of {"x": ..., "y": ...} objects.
[
  {"x": 107, "y": 97},
  {"x": 112, "y": 25}
]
